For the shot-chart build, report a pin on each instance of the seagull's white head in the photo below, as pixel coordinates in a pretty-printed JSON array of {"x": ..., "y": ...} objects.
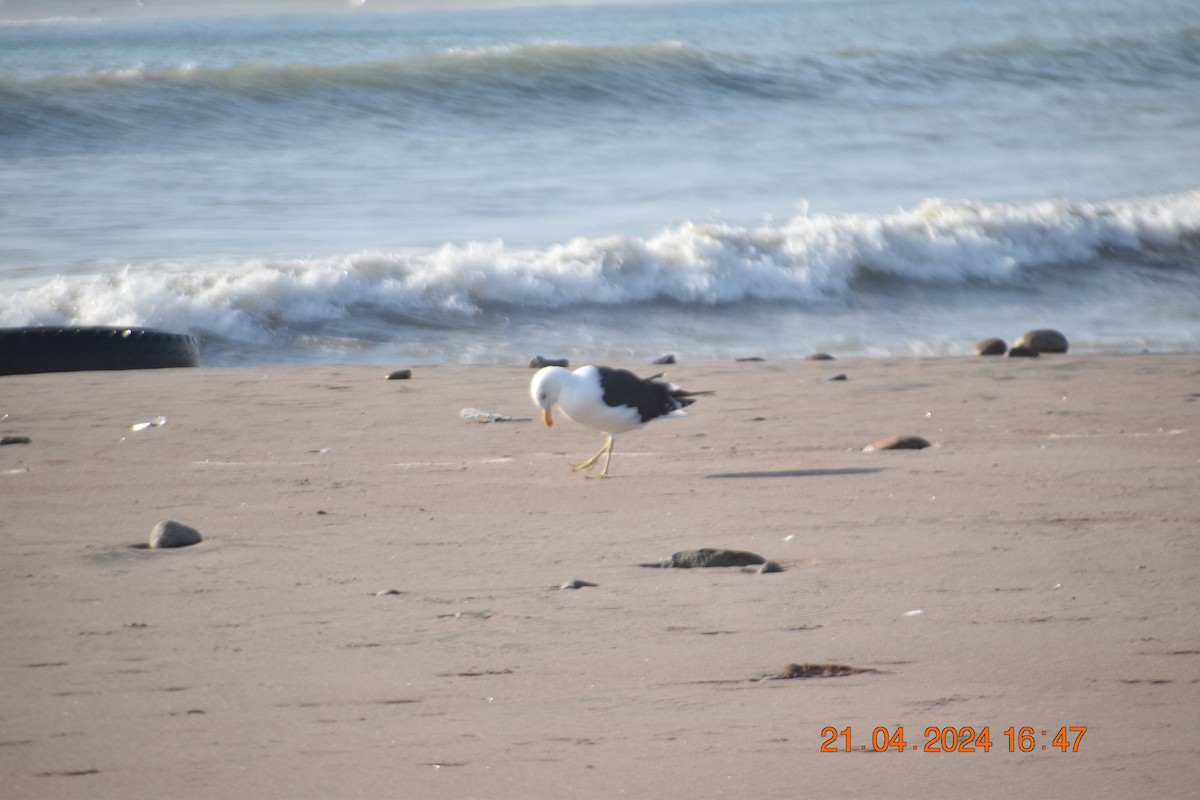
[{"x": 545, "y": 389}]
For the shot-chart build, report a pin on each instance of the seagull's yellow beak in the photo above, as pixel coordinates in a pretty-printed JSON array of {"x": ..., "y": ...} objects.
[{"x": 546, "y": 418}]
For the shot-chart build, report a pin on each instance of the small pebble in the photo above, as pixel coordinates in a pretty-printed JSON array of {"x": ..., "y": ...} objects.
[
  {"x": 763, "y": 568},
  {"x": 751, "y": 358},
  {"x": 385, "y": 592},
  {"x": 840, "y": 376},
  {"x": 898, "y": 443},
  {"x": 667, "y": 359},
  {"x": 541, "y": 361},
  {"x": 400, "y": 375},
  {"x": 170, "y": 533},
  {"x": 15, "y": 440},
  {"x": 819, "y": 357}
]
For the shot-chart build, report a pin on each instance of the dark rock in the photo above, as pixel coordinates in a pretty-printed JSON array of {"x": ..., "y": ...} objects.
[
  {"x": 1020, "y": 351},
  {"x": 991, "y": 347},
  {"x": 170, "y": 533},
  {"x": 1043, "y": 340},
  {"x": 713, "y": 557},
  {"x": 819, "y": 357},
  {"x": 793, "y": 671},
  {"x": 751, "y": 358},
  {"x": 15, "y": 440},
  {"x": 840, "y": 376},
  {"x": 667, "y": 359},
  {"x": 400, "y": 375},
  {"x": 541, "y": 361},
  {"x": 898, "y": 443}
]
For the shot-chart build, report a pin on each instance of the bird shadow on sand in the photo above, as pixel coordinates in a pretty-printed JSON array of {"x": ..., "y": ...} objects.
[{"x": 797, "y": 473}]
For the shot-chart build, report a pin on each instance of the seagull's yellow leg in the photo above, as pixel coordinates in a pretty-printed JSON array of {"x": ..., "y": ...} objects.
[
  {"x": 607, "y": 458},
  {"x": 591, "y": 462}
]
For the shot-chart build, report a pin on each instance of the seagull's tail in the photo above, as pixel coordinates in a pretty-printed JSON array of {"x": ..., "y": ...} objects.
[
  {"x": 685, "y": 398},
  {"x": 676, "y": 395}
]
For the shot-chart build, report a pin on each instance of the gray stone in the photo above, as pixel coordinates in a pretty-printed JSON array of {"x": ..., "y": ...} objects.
[{"x": 170, "y": 533}]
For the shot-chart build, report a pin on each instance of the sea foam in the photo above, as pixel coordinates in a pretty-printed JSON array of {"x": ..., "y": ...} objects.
[{"x": 813, "y": 261}]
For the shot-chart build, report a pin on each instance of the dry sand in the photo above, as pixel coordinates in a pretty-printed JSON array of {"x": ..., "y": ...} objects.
[{"x": 1049, "y": 538}]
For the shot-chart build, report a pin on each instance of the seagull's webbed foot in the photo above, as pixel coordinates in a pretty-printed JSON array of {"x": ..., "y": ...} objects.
[{"x": 591, "y": 462}]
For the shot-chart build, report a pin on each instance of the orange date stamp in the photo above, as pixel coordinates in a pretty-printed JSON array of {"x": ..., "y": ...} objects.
[{"x": 951, "y": 739}]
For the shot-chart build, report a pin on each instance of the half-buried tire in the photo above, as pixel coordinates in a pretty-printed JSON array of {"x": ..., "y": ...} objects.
[{"x": 28, "y": 350}]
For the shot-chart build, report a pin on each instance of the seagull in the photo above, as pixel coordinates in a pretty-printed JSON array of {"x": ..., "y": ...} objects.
[{"x": 606, "y": 399}]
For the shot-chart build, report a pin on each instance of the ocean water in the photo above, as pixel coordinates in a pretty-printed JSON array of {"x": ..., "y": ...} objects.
[{"x": 712, "y": 180}]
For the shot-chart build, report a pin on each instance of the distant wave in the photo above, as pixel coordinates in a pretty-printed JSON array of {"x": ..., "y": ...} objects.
[
  {"x": 44, "y": 21},
  {"x": 539, "y": 83},
  {"x": 1123, "y": 60},
  {"x": 811, "y": 261}
]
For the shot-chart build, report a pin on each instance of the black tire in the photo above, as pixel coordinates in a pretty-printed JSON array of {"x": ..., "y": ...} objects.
[{"x": 29, "y": 350}]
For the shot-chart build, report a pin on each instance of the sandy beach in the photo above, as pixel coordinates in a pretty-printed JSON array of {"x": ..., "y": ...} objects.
[{"x": 1034, "y": 568}]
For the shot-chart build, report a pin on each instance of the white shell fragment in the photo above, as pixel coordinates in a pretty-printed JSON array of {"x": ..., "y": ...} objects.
[{"x": 576, "y": 583}]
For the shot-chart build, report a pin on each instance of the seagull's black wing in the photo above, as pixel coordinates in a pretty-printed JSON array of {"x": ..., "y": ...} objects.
[{"x": 651, "y": 398}]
